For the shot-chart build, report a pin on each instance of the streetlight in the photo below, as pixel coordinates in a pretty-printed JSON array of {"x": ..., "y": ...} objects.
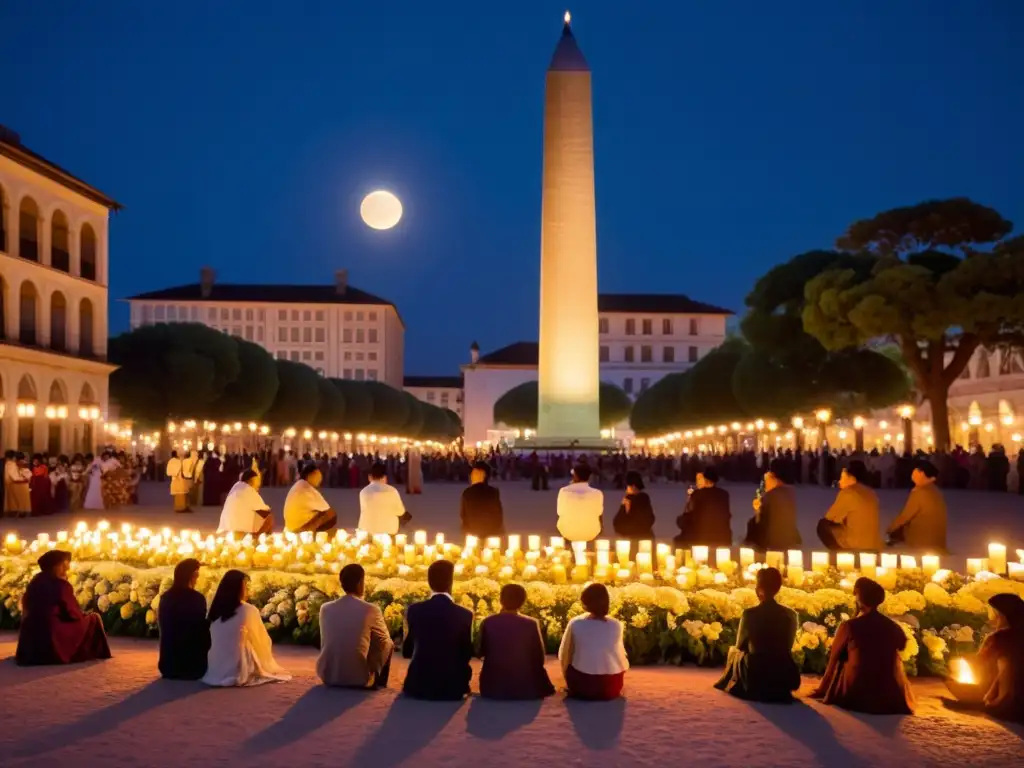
[
  {"x": 823, "y": 415},
  {"x": 858, "y": 433},
  {"x": 907, "y": 414}
]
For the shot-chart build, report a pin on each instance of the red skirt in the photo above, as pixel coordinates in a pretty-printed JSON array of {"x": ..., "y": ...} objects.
[{"x": 593, "y": 687}]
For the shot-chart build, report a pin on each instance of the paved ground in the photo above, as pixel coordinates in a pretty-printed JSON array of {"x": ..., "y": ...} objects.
[
  {"x": 118, "y": 713},
  {"x": 975, "y": 518}
]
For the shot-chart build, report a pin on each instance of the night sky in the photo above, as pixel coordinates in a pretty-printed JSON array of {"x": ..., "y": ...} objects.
[{"x": 729, "y": 136}]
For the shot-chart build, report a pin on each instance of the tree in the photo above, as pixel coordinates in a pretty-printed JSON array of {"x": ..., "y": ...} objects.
[
  {"x": 330, "y": 413},
  {"x": 252, "y": 392},
  {"x": 657, "y": 407},
  {"x": 436, "y": 425},
  {"x": 390, "y": 407},
  {"x": 454, "y": 424},
  {"x": 358, "y": 405},
  {"x": 518, "y": 406},
  {"x": 174, "y": 371},
  {"x": 298, "y": 396},
  {"x": 706, "y": 394},
  {"x": 936, "y": 306},
  {"x": 414, "y": 424}
]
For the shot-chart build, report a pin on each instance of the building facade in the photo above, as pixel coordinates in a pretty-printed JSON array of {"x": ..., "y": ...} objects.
[
  {"x": 442, "y": 391},
  {"x": 642, "y": 337},
  {"x": 338, "y": 330},
  {"x": 53, "y": 303}
]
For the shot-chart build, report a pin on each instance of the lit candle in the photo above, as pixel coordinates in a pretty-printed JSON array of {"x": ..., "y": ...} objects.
[
  {"x": 774, "y": 559},
  {"x": 795, "y": 575},
  {"x": 621, "y": 550},
  {"x": 471, "y": 542},
  {"x": 645, "y": 546},
  {"x": 530, "y": 572},
  {"x": 580, "y": 557},
  {"x": 1016, "y": 571},
  {"x": 868, "y": 564},
  {"x": 533, "y": 543},
  {"x": 929, "y": 564},
  {"x": 795, "y": 558},
  {"x": 975, "y": 565},
  {"x": 486, "y": 555},
  {"x": 506, "y": 572},
  {"x": 700, "y": 554},
  {"x": 670, "y": 565},
  {"x": 494, "y": 542},
  {"x": 602, "y": 558},
  {"x": 722, "y": 555},
  {"x": 409, "y": 551},
  {"x": 962, "y": 671},
  {"x": 602, "y": 544},
  {"x": 623, "y": 574},
  {"x": 643, "y": 562},
  {"x": 746, "y": 557},
  {"x": 890, "y": 562},
  {"x": 558, "y": 573},
  {"x": 557, "y": 542},
  {"x": 997, "y": 558},
  {"x": 907, "y": 563},
  {"x": 420, "y": 538},
  {"x": 514, "y": 540},
  {"x": 400, "y": 540},
  {"x": 845, "y": 561},
  {"x": 439, "y": 540}
]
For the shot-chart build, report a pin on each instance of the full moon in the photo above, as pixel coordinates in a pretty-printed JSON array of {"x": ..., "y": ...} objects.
[{"x": 381, "y": 209}]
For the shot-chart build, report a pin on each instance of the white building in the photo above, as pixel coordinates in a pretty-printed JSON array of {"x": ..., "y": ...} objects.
[
  {"x": 442, "y": 391},
  {"x": 339, "y": 330},
  {"x": 643, "y": 337},
  {"x": 53, "y": 303}
]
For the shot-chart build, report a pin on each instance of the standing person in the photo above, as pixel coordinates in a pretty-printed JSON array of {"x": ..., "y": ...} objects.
[
  {"x": 211, "y": 481},
  {"x": 380, "y": 505},
  {"x": 179, "y": 485},
  {"x": 355, "y": 645},
  {"x": 76, "y": 483},
  {"x": 635, "y": 518},
  {"x": 851, "y": 523},
  {"x": 773, "y": 526},
  {"x": 184, "y": 630},
  {"x": 439, "y": 640},
  {"x": 922, "y": 523},
  {"x": 40, "y": 487},
  {"x": 414, "y": 478},
  {"x": 305, "y": 508},
  {"x": 93, "y": 483},
  {"x": 480, "y": 511},
  {"x": 512, "y": 648},
  {"x": 592, "y": 653},
  {"x": 580, "y": 508},
  {"x": 706, "y": 519},
  {"x": 196, "y": 495},
  {"x": 59, "y": 479}
]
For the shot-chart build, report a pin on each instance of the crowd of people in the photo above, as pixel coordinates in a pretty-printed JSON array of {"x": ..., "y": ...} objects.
[{"x": 44, "y": 484}]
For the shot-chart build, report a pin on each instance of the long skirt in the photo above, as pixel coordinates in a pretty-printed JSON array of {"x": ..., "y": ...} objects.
[
  {"x": 41, "y": 495},
  {"x": 76, "y": 495},
  {"x": 195, "y": 494},
  {"x": 593, "y": 687},
  {"x": 181, "y": 502},
  {"x": 60, "y": 496},
  {"x": 17, "y": 500}
]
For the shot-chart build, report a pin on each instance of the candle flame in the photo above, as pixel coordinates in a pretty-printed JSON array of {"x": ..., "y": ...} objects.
[{"x": 962, "y": 672}]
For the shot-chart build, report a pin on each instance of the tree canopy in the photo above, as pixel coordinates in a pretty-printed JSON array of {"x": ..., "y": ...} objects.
[
  {"x": 252, "y": 392},
  {"x": 298, "y": 396},
  {"x": 518, "y": 406}
]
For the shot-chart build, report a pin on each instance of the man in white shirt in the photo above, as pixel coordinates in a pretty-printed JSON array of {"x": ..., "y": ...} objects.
[
  {"x": 244, "y": 509},
  {"x": 380, "y": 505},
  {"x": 305, "y": 509},
  {"x": 580, "y": 507}
]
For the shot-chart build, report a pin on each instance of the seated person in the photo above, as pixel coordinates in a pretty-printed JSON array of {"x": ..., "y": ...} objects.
[
  {"x": 635, "y": 518},
  {"x": 580, "y": 507},
  {"x": 592, "y": 653},
  {"x": 305, "y": 509},
  {"x": 184, "y": 631},
  {"x": 851, "y": 523},
  {"x": 865, "y": 672},
  {"x": 439, "y": 640},
  {"x": 480, "y": 506},
  {"x": 922, "y": 523},
  {"x": 53, "y": 628},
  {"x": 380, "y": 505},
  {"x": 355, "y": 645},
  {"x": 244, "y": 509},
  {"x": 512, "y": 648},
  {"x": 999, "y": 665},
  {"x": 241, "y": 652},
  {"x": 706, "y": 519},
  {"x": 760, "y": 666},
  {"x": 773, "y": 526}
]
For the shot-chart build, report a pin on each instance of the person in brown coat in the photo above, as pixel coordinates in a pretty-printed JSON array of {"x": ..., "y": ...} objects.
[
  {"x": 865, "y": 672},
  {"x": 851, "y": 523},
  {"x": 922, "y": 523},
  {"x": 512, "y": 648}
]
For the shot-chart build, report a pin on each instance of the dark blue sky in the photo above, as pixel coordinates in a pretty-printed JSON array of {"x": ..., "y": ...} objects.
[{"x": 729, "y": 136}]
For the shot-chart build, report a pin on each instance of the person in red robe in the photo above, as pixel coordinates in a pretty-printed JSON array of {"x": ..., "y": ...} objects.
[
  {"x": 40, "y": 487},
  {"x": 865, "y": 672},
  {"x": 53, "y": 628}
]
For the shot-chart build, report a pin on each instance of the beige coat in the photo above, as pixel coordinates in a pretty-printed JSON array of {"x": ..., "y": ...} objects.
[
  {"x": 856, "y": 510},
  {"x": 354, "y": 642},
  {"x": 180, "y": 485}
]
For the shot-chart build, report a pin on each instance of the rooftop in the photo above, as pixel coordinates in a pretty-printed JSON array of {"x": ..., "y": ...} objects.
[
  {"x": 433, "y": 382},
  {"x": 251, "y": 292},
  {"x": 656, "y": 303},
  {"x": 519, "y": 353}
]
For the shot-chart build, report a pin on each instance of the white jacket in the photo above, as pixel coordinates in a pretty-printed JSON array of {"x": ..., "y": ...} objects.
[
  {"x": 380, "y": 506},
  {"x": 579, "y": 512}
]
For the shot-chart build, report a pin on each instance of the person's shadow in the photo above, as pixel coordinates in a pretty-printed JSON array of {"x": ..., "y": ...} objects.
[
  {"x": 314, "y": 709},
  {"x": 408, "y": 727},
  {"x": 598, "y": 724},
  {"x": 802, "y": 723},
  {"x": 494, "y": 720},
  {"x": 155, "y": 694},
  {"x": 15, "y": 675}
]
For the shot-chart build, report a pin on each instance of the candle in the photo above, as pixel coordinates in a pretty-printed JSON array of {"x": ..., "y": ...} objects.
[
  {"x": 506, "y": 572},
  {"x": 962, "y": 671},
  {"x": 670, "y": 565},
  {"x": 557, "y": 542},
  {"x": 621, "y": 550},
  {"x": 494, "y": 542},
  {"x": 929, "y": 564},
  {"x": 530, "y": 572},
  {"x": 410, "y": 554},
  {"x": 997, "y": 558},
  {"x": 420, "y": 538},
  {"x": 486, "y": 555},
  {"x": 645, "y": 546},
  {"x": 514, "y": 540},
  {"x": 722, "y": 555},
  {"x": 643, "y": 562},
  {"x": 795, "y": 575},
  {"x": 602, "y": 544},
  {"x": 908, "y": 563},
  {"x": 1016, "y": 571},
  {"x": 774, "y": 559},
  {"x": 401, "y": 538},
  {"x": 890, "y": 562},
  {"x": 439, "y": 540},
  {"x": 533, "y": 543},
  {"x": 700, "y": 554},
  {"x": 602, "y": 558},
  {"x": 558, "y": 573},
  {"x": 581, "y": 557},
  {"x": 623, "y": 574},
  {"x": 845, "y": 561},
  {"x": 746, "y": 557},
  {"x": 975, "y": 565},
  {"x": 795, "y": 558}
]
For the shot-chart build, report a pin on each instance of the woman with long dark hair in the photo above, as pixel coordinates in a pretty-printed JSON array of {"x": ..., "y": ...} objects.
[
  {"x": 241, "y": 652},
  {"x": 184, "y": 631}
]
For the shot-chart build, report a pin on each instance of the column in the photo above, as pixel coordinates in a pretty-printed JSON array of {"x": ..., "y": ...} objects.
[
  {"x": 74, "y": 332},
  {"x": 74, "y": 251},
  {"x": 44, "y": 240},
  {"x": 43, "y": 299}
]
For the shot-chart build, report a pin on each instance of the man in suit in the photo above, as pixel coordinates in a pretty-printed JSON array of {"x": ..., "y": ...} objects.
[
  {"x": 480, "y": 506},
  {"x": 851, "y": 523},
  {"x": 773, "y": 526},
  {"x": 706, "y": 519},
  {"x": 922, "y": 523},
  {"x": 355, "y": 645},
  {"x": 439, "y": 640}
]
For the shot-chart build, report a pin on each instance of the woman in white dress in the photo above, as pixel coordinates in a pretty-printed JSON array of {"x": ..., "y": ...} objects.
[
  {"x": 94, "y": 487},
  {"x": 241, "y": 652}
]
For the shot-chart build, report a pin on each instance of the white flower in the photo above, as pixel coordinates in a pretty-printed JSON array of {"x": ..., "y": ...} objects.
[
  {"x": 102, "y": 603},
  {"x": 275, "y": 620}
]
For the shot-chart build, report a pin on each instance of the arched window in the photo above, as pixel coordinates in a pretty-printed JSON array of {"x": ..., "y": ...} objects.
[
  {"x": 56, "y": 412},
  {"x": 60, "y": 255},
  {"x": 28, "y": 229},
  {"x": 29, "y": 302},
  {"x": 88, "y": 247},
  {"x": 26, "y": 414},
  {"x": 3, "y": 221},
  {"x": 85, "y": 329},
  {"x": 58, "y": 322},
  {"x": 3, "y": 308},
  {"x": 27, "y": 390}
]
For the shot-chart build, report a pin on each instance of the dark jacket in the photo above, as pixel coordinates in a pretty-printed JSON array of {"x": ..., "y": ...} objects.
[
  {"x": 439, "y": 640},
  {"x": 184, "y": 634},
  {"x": 706, "y": 519},
  {"x": 638, "y": 523},
  {"x": 513, "y": 651},
  {"x": 480, "y": 511},
  {"x": 761, "y": 666},
  {"x": 774, "y": 527}
]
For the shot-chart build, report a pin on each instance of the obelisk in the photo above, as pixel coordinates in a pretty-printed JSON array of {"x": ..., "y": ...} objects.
[{"x": 568, "y": 369}]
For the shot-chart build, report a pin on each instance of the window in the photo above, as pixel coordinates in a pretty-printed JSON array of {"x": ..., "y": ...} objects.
[
  {"x": 295, "y": 356},
  {"x": 444, "y": 399},
  {"x": 237, "y": 331},
  {"x": 262, "y": 316},
  {"x": 348, "y": 317},
  {"x": 282, "y": 334},
  {"x": 295, "y": 315},
  {"x": 307, "y": 316},
  {"x": 211, "y": 314},
  {"x": 648, "y": 327},
  {"x": 248, "y": 333},
  {"x": 371, "y": 374},
  {"x": 628, "y": 354},
  {"x": 348, "y": 356},
  {"x": 319, "y": 315},
  {"x": 347, "y": 373},
  {"x": 307, "y": 355},
  {"x": 359, "y": 317},
  {"x": 373, "y": 317},
  {"x": 147, "y": 314},
  {"x": 430, "y": 397},
  {"x": 225, "y": 314},
  {"x": 645, "y": 353},
  {"x": 159, "y": 312},
  {"x": 236, "y": 314},
  {"x": 359, "y": 374},
  {"x": 319, "y": 356},
  {"x": 603, "y": 355},
  {"x": 693, "y": 355},
  {"x": 631, "y": 327},
  {"x": 346, "y": 335},
  {"x": 666, "y": 326},
  {"x": 359, "y": 336},
  {"x": 668, "y": 355},
  {"x": 321, "y": 336},
  {"x": 248, "y": 315},
  {"x": 371, "y": 356},
  {"x": 295, "y": 335},
  {"x": 307, "y": 335},
  {"x": 259, "y": 333},
  {"x": 172, "y": 314},
  {"x": 282, "y": 314},
  {"x": 627, "y": 385},
  {"x": 282, "y": 355},
  {"x": 693, "y": 326},
  {"x": 644, "y": 384},
  {"x": 602, "y": 325},
  {"x": 372, "y": 335}
]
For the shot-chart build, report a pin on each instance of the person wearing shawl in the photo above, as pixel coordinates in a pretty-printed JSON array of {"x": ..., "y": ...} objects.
[
  {"x": 184, "y": 630},
  {"x": 179, "y": 484},
  {"x": 40, "y": 487},
  {"x": 76, "y": 483},
  {"x": 53, "y": 628}
]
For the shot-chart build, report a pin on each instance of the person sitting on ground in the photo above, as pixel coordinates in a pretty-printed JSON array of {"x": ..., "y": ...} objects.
[
  {"x": 580, "y": 508},
  {"x": 999, "y": 665},
  {"x": 512, "y": 648},
  {"x": 53, "y": 628},
  {"x": 380, "y": 505},
  {"x": 851, "y": 523},
  {"x": 773, "y": 526},
  {"x": 439, "y": 640},
  {"x": 245, "y": 511},
  {"x": 355, "y": 645},
  {"x": 184, "y": 630},
  {"x": 241, "y": 652},
  {"x": 760, "y": 666},
  {"x": 305, "y": 508},
  {"x": 480, "y": 506},
  {"x": 592, "y": 653},
  {"x": 706, "y": 519},
  {"x": 635, "y": 518},
  {"x": 922, "y": 523},
  {"x": 865, "y": 672}
]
